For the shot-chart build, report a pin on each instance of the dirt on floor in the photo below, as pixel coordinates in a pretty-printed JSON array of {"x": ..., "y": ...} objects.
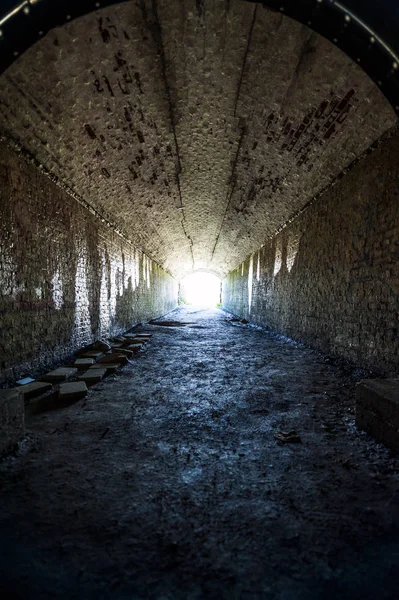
[{"x": 174, "y": 479}]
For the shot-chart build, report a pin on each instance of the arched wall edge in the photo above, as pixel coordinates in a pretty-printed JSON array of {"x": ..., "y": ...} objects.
[{"x": 367, "y": 31}]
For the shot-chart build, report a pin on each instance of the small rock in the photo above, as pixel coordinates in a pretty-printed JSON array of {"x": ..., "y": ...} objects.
[{"x": 288, "y": 437}]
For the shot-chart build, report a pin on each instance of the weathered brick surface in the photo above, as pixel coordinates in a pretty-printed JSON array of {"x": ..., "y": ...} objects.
[
  {"x": 199, "y": 127},
  {"x": 66, "y": 278},
  {"x": 331, "y": 277}
]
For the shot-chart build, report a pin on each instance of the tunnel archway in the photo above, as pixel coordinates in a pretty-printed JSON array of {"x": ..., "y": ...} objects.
[{"x": 366, "y": 32}]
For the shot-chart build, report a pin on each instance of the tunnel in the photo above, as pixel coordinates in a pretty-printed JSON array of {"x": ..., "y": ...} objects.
[{"x": 242, "y": 449}]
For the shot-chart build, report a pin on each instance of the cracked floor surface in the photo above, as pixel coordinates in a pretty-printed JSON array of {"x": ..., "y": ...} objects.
[{"x": 167, "y": 482}]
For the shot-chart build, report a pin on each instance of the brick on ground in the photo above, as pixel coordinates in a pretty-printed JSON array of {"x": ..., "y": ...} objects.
[
  {"x": 59, "y": 375},
  {"x": 114, "y": 358},
  {"x": 83, "y": 363},
  {"x": 34, "y": 389},
  {"x": 71, "y": 392},
  {"x": 377, "y": 410},
  {"x": 12, "y": 418},
  {"x": 110, "y": 368},
  {"x": 92, "y": 376}
]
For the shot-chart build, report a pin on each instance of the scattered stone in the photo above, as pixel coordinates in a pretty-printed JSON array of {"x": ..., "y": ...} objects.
[
  {"x": 377, "y": 410},
  {"x": 71, "y": 392},
  {"x": 111, "y": 368},
  {"x": 92, "y": 376},
  {"x": 95, "y": 355},
  {"x": 288, "y": 437},
  {"x": 83, "y": 363},
  {"x": 126, "y": 351},
  {"x": 25, "y": 381},
  {"x": 134, "y": 347},
  {"x": 114, "y": 358},
  {"x": 36, "y": 388},
  {"x": 59, "y": 375},
  {"x": 101, "y": 346},
  {"x": 12, "y": 418}
]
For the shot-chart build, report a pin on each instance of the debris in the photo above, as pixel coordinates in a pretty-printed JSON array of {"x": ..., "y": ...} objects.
[
  {"x": 288, "y": 437},
  {"x": 104, "y": 433},
  {"x": 25, "y": 381}
]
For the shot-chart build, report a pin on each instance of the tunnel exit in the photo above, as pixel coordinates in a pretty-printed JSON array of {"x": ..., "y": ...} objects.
[{"x": 200, "y": 289}]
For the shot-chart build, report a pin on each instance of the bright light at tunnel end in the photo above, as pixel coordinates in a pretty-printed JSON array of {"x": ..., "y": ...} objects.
[{"x": 200, "y": 289}]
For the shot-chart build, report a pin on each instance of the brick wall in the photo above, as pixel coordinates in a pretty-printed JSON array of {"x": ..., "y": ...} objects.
[
  {"x": 66, "y": 277},
  {"x": 331, "y": 277}
]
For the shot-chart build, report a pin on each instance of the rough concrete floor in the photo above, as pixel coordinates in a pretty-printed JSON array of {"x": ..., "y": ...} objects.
[{"x": 167, "y": 481}]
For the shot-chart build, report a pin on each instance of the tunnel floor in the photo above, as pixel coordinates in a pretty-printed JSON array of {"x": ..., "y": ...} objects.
[{"x": 168, "y": 482}]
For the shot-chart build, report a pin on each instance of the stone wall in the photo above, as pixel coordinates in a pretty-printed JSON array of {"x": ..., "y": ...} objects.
[
  {"x": 331, "y": 277},
  {"x": 66, "y": 277}
]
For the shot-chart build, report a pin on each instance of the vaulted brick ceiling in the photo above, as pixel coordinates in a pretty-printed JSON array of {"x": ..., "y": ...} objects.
[{"x": 197, "y": 128}]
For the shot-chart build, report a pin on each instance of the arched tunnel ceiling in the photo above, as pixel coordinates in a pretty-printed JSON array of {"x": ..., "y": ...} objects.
[{"x": 197, "y": 127}]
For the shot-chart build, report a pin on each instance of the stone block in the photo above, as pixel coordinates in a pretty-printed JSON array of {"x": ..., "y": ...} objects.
[
  {"x": 59, "y": 375},
  {"x": 34, "y": 389},
  {"x": 101, "y": 346},
  {"x": 91, "y": 354},
  {"x": 134, "y": 347},
  {"x": 92, "y": 376},
  {"x": 126, "y": 352},
  {"x": 110, "y": 368},
  {"x": 114, "y": 358},
  {"x": 83, "y": 363},
  {"x": 12, "y": 418},
  {"x": 72, "y": 392},
  {"x": 377, "y": 410}
]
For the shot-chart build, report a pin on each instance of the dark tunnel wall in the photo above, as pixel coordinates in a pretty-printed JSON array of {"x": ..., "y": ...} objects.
[
  {"x": 66, "y": 278},
  {"x": 331, "y": 277}
]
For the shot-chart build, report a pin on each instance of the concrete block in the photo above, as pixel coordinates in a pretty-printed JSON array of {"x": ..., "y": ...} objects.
[
  {"x": 12, "y": 418},
  {"x": 126, "y": 352},
  {"x": 110, "y": 368},
  {"x": 37, "y": 388},
  {"x": 92, "y": 376},
  {"x": 114, "y": 358},
  {"x": 377, "y": 410},
  {"x": 59, "y": 375},
  {"x": 83, "y": 363},
  {"x": 91, "y": 354},
  {"x": 72, "y": 392}
]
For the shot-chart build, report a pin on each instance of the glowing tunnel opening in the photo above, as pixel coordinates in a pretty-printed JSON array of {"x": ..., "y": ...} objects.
[{"x": 200, "y": 289}]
